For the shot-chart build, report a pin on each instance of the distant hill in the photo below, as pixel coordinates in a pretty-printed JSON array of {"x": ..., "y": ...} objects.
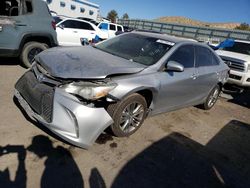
[{"x": 188, "y": 21}]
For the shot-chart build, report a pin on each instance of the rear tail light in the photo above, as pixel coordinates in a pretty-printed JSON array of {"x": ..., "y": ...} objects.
[{"x": 53, "y": 24}]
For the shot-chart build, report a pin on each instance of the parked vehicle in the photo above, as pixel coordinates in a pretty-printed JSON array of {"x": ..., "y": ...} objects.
[
  {"x": 78, "y": 92},
  {"x": 72, "y": 32},
  {"x": 110, "y": 28},
  {"x": 127, "y": 29},
  {"x": 26, "y": 29},
  {"x": 236, "y": 54}
]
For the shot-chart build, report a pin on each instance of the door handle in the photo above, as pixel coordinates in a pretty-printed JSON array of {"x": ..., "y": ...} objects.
[
  {"x": 1, "y": 28},
  {"x": 75, "y": 32},
  {"x": 20, "y": 24}
]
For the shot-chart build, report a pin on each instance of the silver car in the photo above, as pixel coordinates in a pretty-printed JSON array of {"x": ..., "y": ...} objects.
[{"x": 79, "y": 92}]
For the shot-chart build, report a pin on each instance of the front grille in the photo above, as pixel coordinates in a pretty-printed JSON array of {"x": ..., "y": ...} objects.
[
  {"x": 38, "y": 95},
  {"x": 234, "y": 65},
  {"x": 235, "y": 77}
]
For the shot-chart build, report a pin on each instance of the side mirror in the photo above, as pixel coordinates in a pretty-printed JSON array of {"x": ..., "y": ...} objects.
[
  {"x": 61, "y": 26},
  {"x": 174, "y": 66}
]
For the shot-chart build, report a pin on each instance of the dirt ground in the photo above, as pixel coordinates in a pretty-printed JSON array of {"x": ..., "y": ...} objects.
[{"x": 186, "y": 148}]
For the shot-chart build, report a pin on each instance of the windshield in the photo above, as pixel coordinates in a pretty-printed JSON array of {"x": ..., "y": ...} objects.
[
  {"x": 239, "y": 47},
  {"x": 137, "y": 48}
]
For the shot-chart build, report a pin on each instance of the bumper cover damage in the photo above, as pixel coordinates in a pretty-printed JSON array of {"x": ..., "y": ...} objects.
[{"x": 74, "y": 122}]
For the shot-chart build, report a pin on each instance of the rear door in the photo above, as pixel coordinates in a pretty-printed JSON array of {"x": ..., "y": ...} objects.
[
  {"x": 207, "y": 66},
  {"x": 112, "y": 30},
  {"x": 86, "y": 31},
  {"x": 179, "y": 89},
  {"x": 104, "y": 27}
]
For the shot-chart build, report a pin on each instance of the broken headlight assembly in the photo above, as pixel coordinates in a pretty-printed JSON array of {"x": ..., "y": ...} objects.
[{"x": 89, "y": 90}]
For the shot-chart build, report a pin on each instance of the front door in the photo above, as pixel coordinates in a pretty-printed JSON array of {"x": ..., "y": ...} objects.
[{"x": 178, "y": 89}]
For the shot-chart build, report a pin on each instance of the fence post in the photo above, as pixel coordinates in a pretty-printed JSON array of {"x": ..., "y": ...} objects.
[{"x": 161, "y": 27}]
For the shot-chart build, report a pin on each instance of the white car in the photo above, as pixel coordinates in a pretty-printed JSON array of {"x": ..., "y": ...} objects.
[
  {"x": 72, "y": 32},
  {"x": 237, "y": 57},
  {"x": 110, "y": 28}
]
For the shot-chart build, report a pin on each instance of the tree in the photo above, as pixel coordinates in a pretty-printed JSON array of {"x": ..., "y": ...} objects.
[
  {"x": 112, "y": 15},
  {"x": 243, "y": 26},
  {"x": 125, "y": 16}
]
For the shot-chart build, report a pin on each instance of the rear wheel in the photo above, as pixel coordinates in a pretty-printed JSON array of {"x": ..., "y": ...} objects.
[
  {"x": 30, "y": 50},
  {"x": 128, "y": 115},
  {"x": 212, "y": 98}
]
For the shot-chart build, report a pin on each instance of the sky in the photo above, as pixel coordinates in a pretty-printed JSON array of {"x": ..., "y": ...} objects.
[{"x": 203, "y": 10}]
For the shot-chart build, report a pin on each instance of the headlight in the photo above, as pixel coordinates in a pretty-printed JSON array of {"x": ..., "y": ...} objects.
[{"x": 89, "y": 90}]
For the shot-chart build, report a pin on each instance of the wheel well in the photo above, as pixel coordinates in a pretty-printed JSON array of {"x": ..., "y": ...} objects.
[
  {"x": 41, "y": 39},
  {"x": 148, "y": 95}
]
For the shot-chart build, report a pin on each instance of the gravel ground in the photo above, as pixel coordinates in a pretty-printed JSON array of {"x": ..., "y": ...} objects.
[{"x": 185, "y": 148}]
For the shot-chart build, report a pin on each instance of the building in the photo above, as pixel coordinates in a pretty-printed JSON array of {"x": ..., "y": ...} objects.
[{"x": 74, "y": 8}]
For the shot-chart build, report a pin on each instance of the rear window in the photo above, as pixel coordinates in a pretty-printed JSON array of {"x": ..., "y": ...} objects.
[
  {"x": 29, "y": 8},
  {"x": 112, "y": 27},
  {"x": 119, "y": 28},
  {"x": 203, "y": 57},
  {"x": 85, "y": 26}
]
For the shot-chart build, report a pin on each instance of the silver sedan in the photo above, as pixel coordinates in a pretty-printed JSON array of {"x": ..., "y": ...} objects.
[{"x": 79, "y": 92}]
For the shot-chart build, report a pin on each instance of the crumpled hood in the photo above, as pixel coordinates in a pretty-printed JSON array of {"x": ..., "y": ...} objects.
[{"x": 84, "y": 63}]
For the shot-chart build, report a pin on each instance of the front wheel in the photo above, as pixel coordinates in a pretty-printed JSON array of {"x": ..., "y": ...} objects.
[
  {"x": 212, "y": 98},
  {"x": 30, "y": 50},
  {"x": 128, "y": 115}
]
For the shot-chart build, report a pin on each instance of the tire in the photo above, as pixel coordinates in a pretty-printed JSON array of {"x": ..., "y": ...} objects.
[
  {"x": 30, "y": 50},
  {"x": 212, "y": 98},
  {"x": 125, "y": 122}
]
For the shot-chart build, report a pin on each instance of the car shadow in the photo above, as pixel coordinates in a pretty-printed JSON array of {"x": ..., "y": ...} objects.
[
  {"x": 237, "y": 95},
  {"x": 60, "y": 169},
  {"x": 20, "y": 179},
  {"x": 242, "y": 99},
  {"x": 177, "y": 161}
]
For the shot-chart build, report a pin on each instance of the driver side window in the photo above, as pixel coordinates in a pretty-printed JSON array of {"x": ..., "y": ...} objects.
[{"x": 184, "y": 55}]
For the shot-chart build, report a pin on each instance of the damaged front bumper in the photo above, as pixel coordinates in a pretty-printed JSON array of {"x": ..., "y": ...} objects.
[{"x": 71, "y": 120}]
